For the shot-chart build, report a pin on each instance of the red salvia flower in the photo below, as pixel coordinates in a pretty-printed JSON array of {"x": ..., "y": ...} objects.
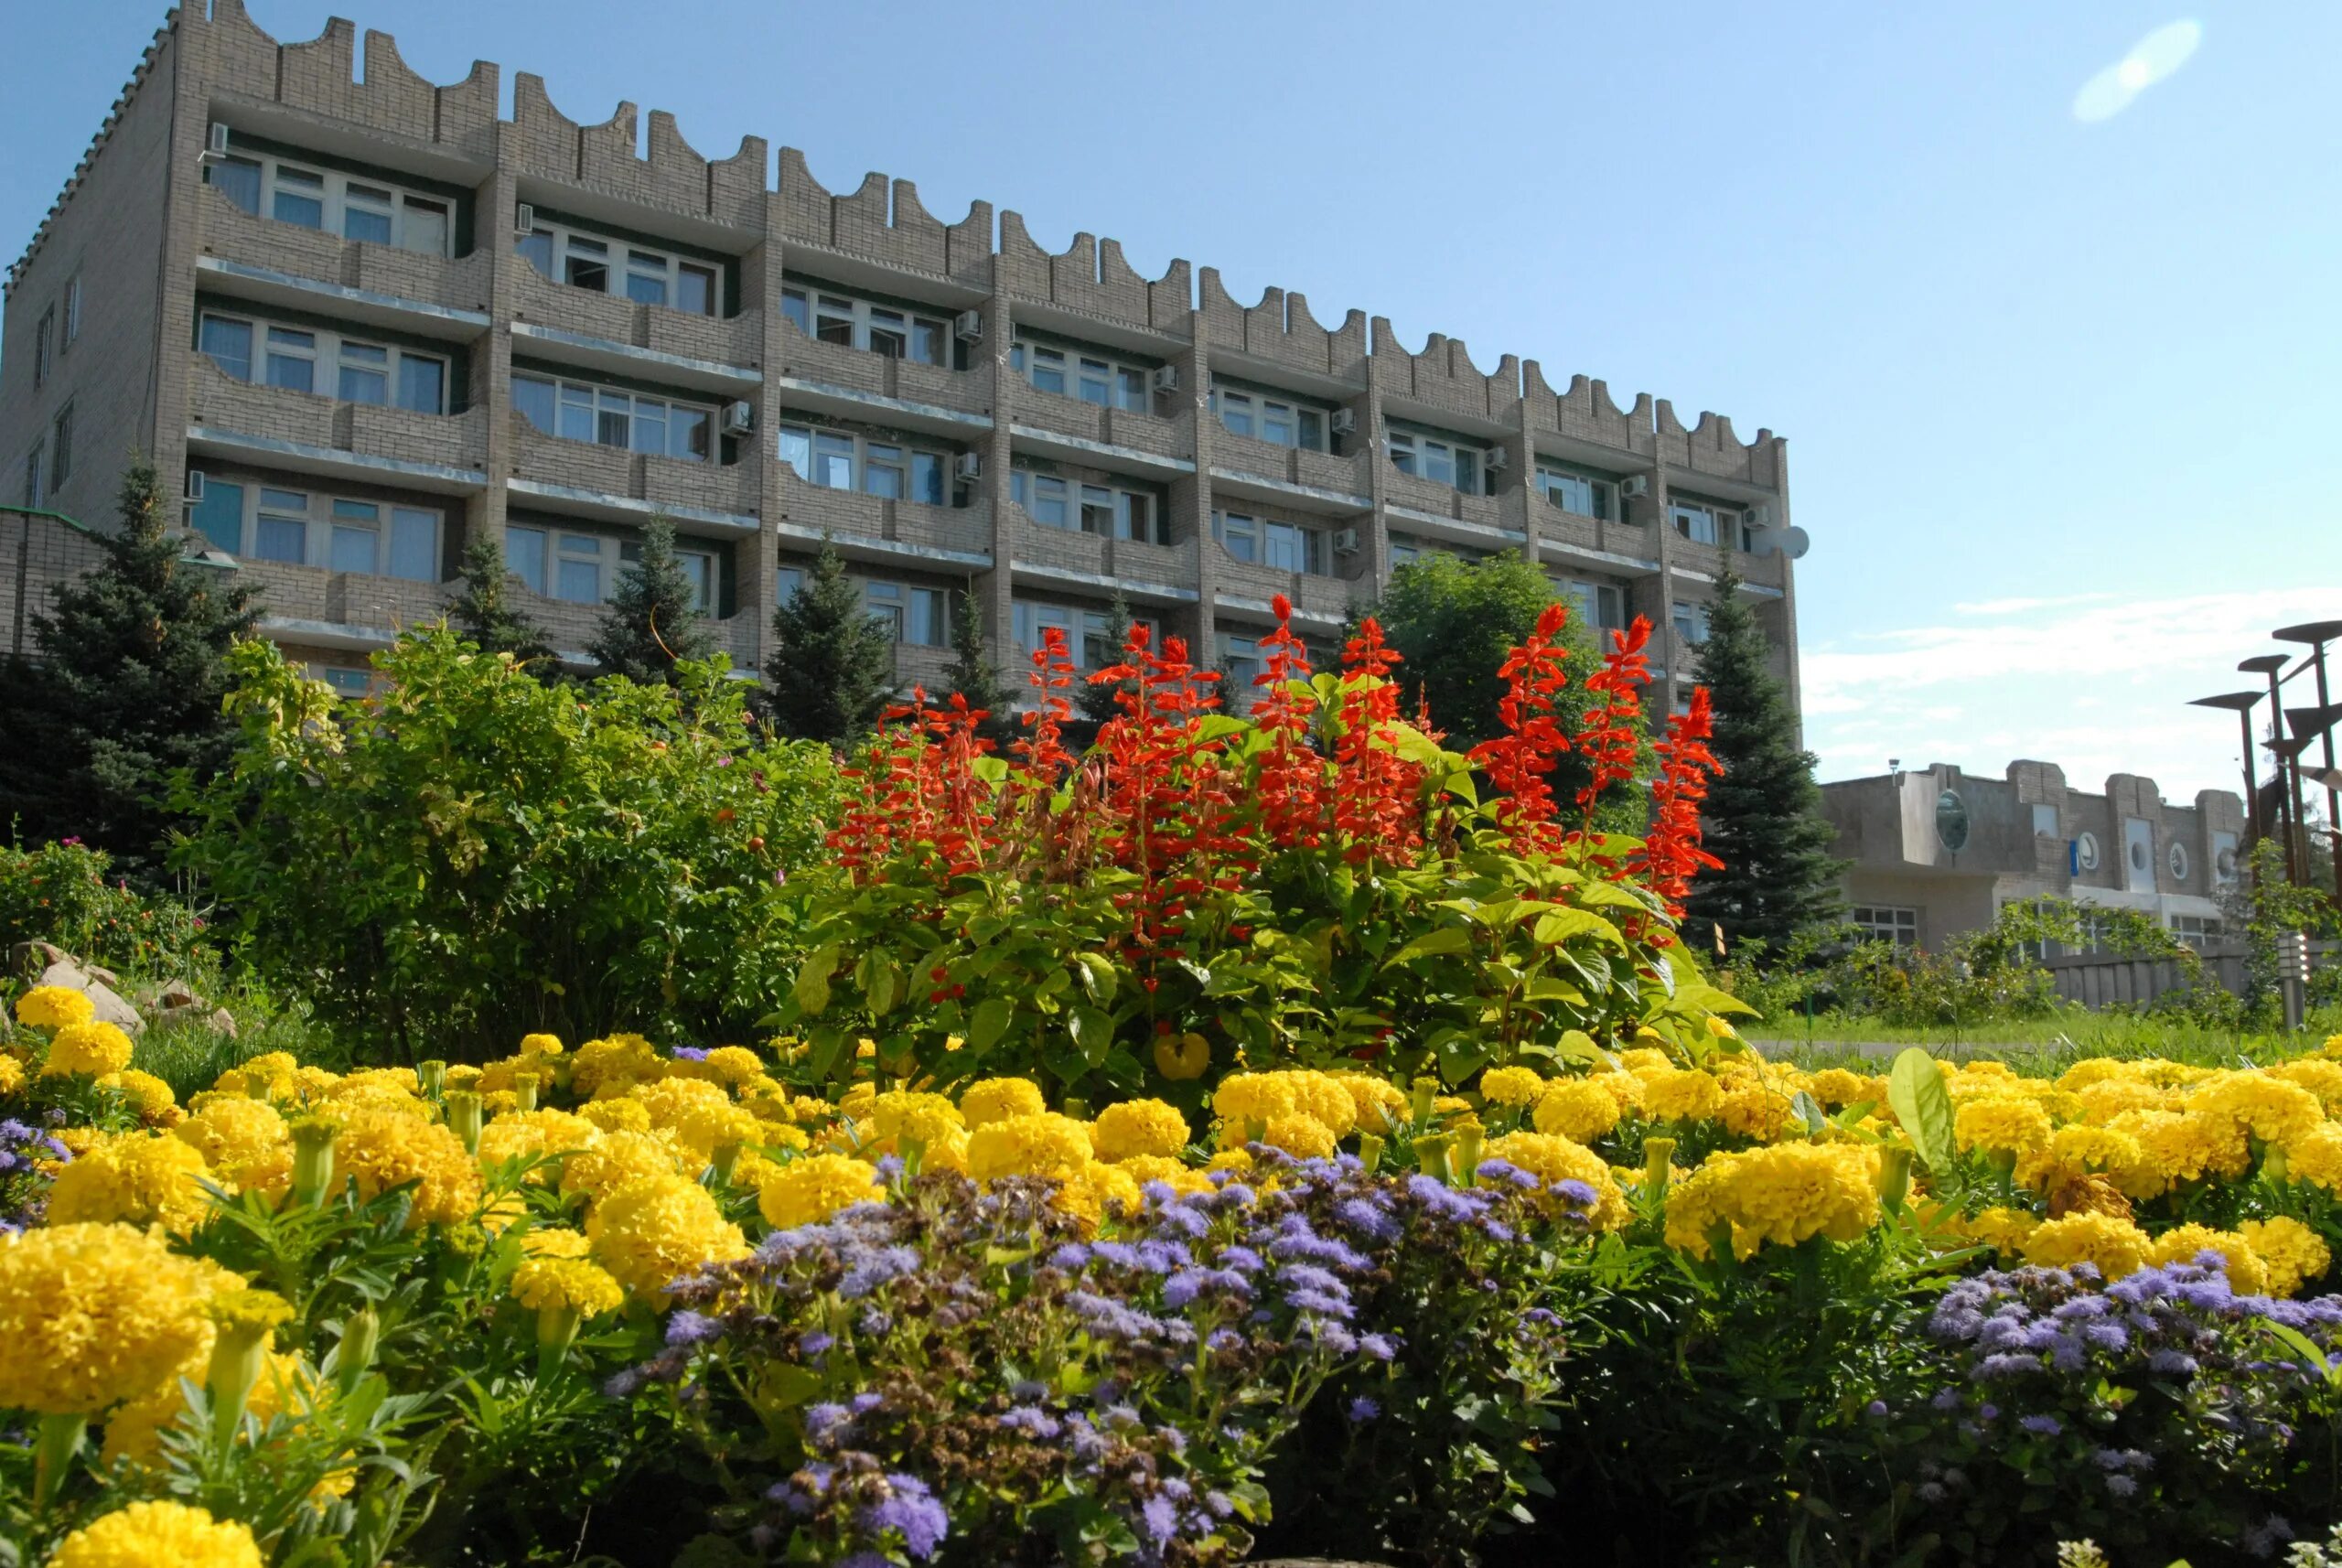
[
  {"x": 1291, "y": 786},
  {"x": 1519, "y": 761},
  {"x": 1671, "y": 854},
  {"x": 1378, "y": 794}
]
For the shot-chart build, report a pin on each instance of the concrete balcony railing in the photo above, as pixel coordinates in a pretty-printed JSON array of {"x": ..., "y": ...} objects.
[
  {"x": 1311, "y": 595},
  {"x": 1095, "y": 555},
  {"x": 736, "y": 340},
  {"x": 731, "y": 487},
  {"x": 569, "y": 626},
  {"x": 342, "y": 598},
  {"x": 858, "y": 369},
  {"x": 218, "y": 400},
  {"x": 1440, "y": 500},
  {"x": 229, "y": 233},
  {"x": 920, "y": 666},
  {"x": 1295, "y": 466},
  {"x": 1151, "y": 433},
  {"x": 852, "y": 516}
]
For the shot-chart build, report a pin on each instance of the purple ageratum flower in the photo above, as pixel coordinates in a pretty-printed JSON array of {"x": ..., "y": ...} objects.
[
  {"x": 1182, "y": 1288},
  {"x": 2172, "y": 1363},
  {"x": 1876, "y": 1410},
  {"x": 911, "y": 1510},
  {"x": 1946, "y": 1399},
  {"x": 1504, "y": 1173},
  {"x": 2007, "y": 1364},
  {"x": 1179, "y": 1217},
  {"x": 2043, "y": 1425},
  {"x": 1321, "y": 1302},
  {"x": 1120, "y": 1254},
  {"x": 685, "y": 1328},
  {"x": 1159, "y": 1257},
  {"x": 1241, "y": 1259},
  {"x": 1032, "y": 1422},
  {"x": 814, "y": 1344},
  {"x": 1380, "y": 1347},
  {"x": 1070, "y": 1256},
  {"x": 1160, "y": 1518},
  {"x": 824, "y": 1421},
  {"x": 1576, "y": 1193},
  {"x": 1369, "y": 1218},
  {"x": 688, "y": 1053},
  {"x": 2122, "y": 1486},
  {"x": 1362, "y": 1410}
]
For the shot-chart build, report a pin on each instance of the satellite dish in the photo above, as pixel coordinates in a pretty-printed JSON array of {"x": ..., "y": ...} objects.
[
  {"x": 1766, "y": 541},
  {"x": 1795, "y": 543}
]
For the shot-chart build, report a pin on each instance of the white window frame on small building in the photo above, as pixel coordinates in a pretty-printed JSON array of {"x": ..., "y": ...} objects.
[
  {"x": 1079, "y": 371},
  {"x": 1085, "y": 630},
  {"x": 885, "y": 466},
  {"x": 348, "y": 359},
  {"x": 596, "y": 406},
  {"x": 1274, "y": 541},
  {"x": 1602, "y": 606},
  {"x": 1690, "y": 619},
  {"x": 412, "y": 219},
  {"x": 913, "y": 617},
  {"x": 1893, "y": 923}
]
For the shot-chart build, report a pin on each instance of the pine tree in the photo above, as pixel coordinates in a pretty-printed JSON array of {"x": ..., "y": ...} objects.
[
  {"x": 972, "y": 675},
  {"x": 1763, "y": 817},
  {"x": 831, "y": 670},
  {"x": 649, "y": 624},
  {"x": 123, "y": 690},
  {"x": 484, "y": 612},
  {"x": 1096, "y": 704}
]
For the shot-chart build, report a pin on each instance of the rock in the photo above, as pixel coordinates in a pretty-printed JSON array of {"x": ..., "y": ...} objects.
[
  {"x": 109, "y": 1006},
  {"x": 221, "y": 1022},
  {"x": 103, "y": 976},
  {"x": 28, "y": 959},
  {"x": 173, "y": 996}
]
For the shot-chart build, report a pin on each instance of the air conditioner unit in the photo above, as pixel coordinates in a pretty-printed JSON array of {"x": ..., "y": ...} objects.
[
  {"x": 968, "y": 465},
  {"x": 215, "y": 146},
  {"x": 195, "y": 487},
  {"x": 1165, "y": 378},
  {"x": 739, "y": 419},
  {"x": 1497, "y": 458},
  {"x": 1346, "y": 542},
  {"x": 1635, "y": 487},
  {"x": 968, "y": 325},
  {"x": 524, "y": 219},
  {"x": 1343, "y": 422},
  {"x": 1760, "y": 516}
]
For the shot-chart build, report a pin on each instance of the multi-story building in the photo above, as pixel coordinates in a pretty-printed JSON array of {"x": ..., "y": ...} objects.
[
  {"x": 368, "y": 319},
  {"x": 1934, "y": 852}
]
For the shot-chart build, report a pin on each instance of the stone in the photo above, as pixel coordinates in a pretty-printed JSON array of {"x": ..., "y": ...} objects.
[
  {"x": 106, "y": 1002},
  {"x": 28, "y": 959},
  {"x": 221, "y": 1022}
]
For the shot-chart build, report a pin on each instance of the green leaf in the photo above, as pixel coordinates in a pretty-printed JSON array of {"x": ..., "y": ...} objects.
[
  {"x": 886, "y": 983},
  {"x": 1555, "y": 927},
  {"x": 1093, "y": 1031},
  {"x": 1810, "y": 1112},
  {"x": 2313, "y": 1358},
  {"x": 1921, "y": 1104},
  {"x": 813, "y": 987},
  {"x": 1098, "y": 977},
  {"x": 989, "y": 1021},
  {"x": 1440, "y": 940}
]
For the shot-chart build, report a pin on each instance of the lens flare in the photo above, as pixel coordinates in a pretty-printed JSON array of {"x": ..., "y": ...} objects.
[{"x": 2152, "y": 60}]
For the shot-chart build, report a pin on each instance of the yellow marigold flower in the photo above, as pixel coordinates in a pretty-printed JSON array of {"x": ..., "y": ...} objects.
[
  {"x": 2003, "y": 1229},
  {"x": 2093, "y": 1070},
  {"x": 1679, "y": 1094},
  {"x": 1511, "y": 1086},
  {"x": 2100, "y": 1102},
  {"x": 2293, "y": 1252},
  {"x": 136, "y": 1178},
  {"x": 1578, "y": 1108},
  {"x": 529, "y": 1134},
  {"x": 618, "y": 1057},
  {"x": 2001, "y": 1125},
  {"x": 2074, "y": 1151},
  {"x": 1042, "y": 1143},
  {"x": 135, "y": 1431},
  {"x": 1784, "y": 1192},
  {"x": 87, "y": 1049},
  {"x": 902, "y": 1112},
  {"x": 1092, "y": 1192},
  {"x": 1377, "y": 1104},
  {"x": 147, "y": 1095},
  {"x": 2321, "y": 1078},
  {"x": 1144, "y": 1168},
  {"x": 553, "y": 1242},
  {"x": 1553, "y": 1159},
  {"x": 11, "y": 1075},
  {"x": 1324, "y": 1096},
  {"x": 733, "y": 1066},
  {"x": 1644, "y": 1059},
  {"x": 383, "y": 1148},
  {"x": 2269, "y": 1109},
  {"x": 463, "y": 1077},
  {"x": 1757, "y": 1108},
  {"x": 1230, "y": 1160},
  {"x": 2315, "y": 1156},
  {"x": 566, "y": 1284},
  {"x": 1182, "y": 1057},
  {"x": 2114, "y": 1246},
  {"x": 1721, "y": 1027},
  {"x": 1834, "y": 1088},
  {"x": 1139, "y": 1127},
  {"x": 617, "y": 1115},
  {"x": 2246, "y": 1272},
  {"x": 991, "y": 1099},
  {"x": 2183, "y": 1146},
  {"x": 94, "y": 1314},
  {"x": 541, "y": 1046},
  {"x": 147, "y": 1533},
  {"x": 621, "y": 1158},
  {"x": 1244, "y": 1097},
  {"x": 808, "y": 1190},
  {"x": 1300, "y": 1134},
  {"x": 54, "y": 1007},
  {"x": 654, "y": 1231},
  {"x": 699, "y": 1114}
]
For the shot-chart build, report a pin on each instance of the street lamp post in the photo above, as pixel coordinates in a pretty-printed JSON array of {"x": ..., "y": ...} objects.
[
  {"x": 2268, "y": 664},
  {"x": 2317, "y": 634},
  {"x": 2241, "y": 703}
]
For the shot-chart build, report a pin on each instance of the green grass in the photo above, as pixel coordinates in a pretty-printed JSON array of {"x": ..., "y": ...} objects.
[{"x": 2042, "y": 1046}]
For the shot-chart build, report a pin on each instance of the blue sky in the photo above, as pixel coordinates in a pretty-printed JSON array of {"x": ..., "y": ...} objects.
[{"x": 2061, "y": 396}]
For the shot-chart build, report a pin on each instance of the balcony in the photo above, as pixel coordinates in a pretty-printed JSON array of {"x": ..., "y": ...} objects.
[
  {"x": 1438, "y": 498},
  {"x": 569, "y": 626},
  {"x": 1100, "y": 561},
  {"x": 1313, "y": 596},
  {"x": 1087, "y": 424},
  {"x": 256, "y": 254},
  {"x": 735, "y": 340},
  {"x": 559, "y": 470},
  {"x": 358, "y": 600},
  {"x": 880, "y": 375},
  {"x": 920, "y": 666},
  {"x": 1290, "y": 465},
  {"x": 434, "y": 451},
  {"x": 953, "y": 540}
]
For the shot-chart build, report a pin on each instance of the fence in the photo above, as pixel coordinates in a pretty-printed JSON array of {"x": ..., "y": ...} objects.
[{"x": 2098, "y": 982}]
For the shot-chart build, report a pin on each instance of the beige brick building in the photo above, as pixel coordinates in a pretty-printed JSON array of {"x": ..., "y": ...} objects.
[
  {"x": 369, "y": 317},
  {"x": 1935, "y": 851}
]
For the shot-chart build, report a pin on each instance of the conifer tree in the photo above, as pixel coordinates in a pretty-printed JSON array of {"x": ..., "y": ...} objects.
[
  {"x": 484, "y": 612},
  {"x": 649, "y": 625},
  {"x": 123, "y": 690},
  {"x": 971, "y": 673},
  {"x": 831, "y": 670},
  {"x": 1762, "y": 816},
  {"x": 1096, "y": 704}
]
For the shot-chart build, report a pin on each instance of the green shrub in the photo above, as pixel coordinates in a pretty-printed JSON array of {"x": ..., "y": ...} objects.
[
  {"x": 471, "y": 855},
  {"x": 59, "y": 893}
]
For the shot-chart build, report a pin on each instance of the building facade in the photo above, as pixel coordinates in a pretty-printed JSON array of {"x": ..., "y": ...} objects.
[
  {"x": 1937, "y": 852},
  {"x": 368, "y": 319}
]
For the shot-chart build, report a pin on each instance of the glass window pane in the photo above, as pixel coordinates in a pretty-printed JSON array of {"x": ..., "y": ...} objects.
[
  {"x": 1131, "y": 384},
  {"x": 613, "y": 413},
  {"x": 577, "y": 412},
  {"x": 834, "y": 320},
  {"x": 425, "y": 227},
  {"x": 1095, "y": 376},
  {"x": 587, "y": 264},
  {"x": 365, "y": 374},
  {"x": 793, "y": 305},
  {"x": 1276, "y": 424},
  {"x": 695, "y": 289},
  {"x": 927, "y": 477},
  {"x": 1236, "y": 412},
  {"x": 280, "y": 538},
  {"x": 687, "y": 432},
  {"x": 649, "y": 433},
  {"x": 239, "y": 181},
  {"x": 300, "y": 198},
  {"x": 882, "y": 471},
  {"x": 533, "y": 399},
  {"x": 1048, "y": 502},
  {"x": 701, "y": 570},
  {"x": 365, "y": 214},
  {"x": 350, "y": 549},
  {"x": 1312, "y": 429},
  {"x": 927, "y": 342},
  {"x": 1048, "y": 369},
  {"x": 537, "y": 250},
  {"x": 579, "y": 581},
  {"x": 833, "y": 461},
  {"x": 796, "y": 449},
  {"x": 220, "y": 516},
  {"x": 1097, "y": 510},
  {"x": 1403, "y": 454},
  {"x": 1467, "y": 472},
  {"x": 229, "y": 344},
  {"x": 524, "y": 552},
  {"x": 887, "y": 335},
  {"x": 414, "y": 544},
  {"x": 290, "y": 363},
  {"x": 423, "y": 384}
]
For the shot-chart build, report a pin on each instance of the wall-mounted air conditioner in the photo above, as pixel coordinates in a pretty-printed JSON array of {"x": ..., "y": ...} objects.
[
  {"x": 739, "y": 419},
  {"x": 968, "y": 467},
  {"x": 1346, "y": 542},
  {"x": 524, "y": 219},
  {"x": 1343, "y": 422},
  {"x": 1635, "y": 487},
  {"x": 1165, "y": 378},
  {"x": 195, "y": 482},
  {"x": 968, "y": 325},
  {"x": 215, "y": 144},
  {"x": 1498, "y": 459}
]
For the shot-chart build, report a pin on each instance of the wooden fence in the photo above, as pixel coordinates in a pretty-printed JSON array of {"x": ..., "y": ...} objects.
[{"x": 2096, "y": 981}]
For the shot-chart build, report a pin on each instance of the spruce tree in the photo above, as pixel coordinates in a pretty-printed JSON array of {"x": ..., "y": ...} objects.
[
  {"x": 1763, "y": 817},
  {"x": 1096, "y": 704},
  {"x": 972, "y": 675},
  {"x": 484, "y": 612},
  {"x": 831, "y": 670},
  {"x": 648, "y": 626},
  {"x": 123, "y": 689}
]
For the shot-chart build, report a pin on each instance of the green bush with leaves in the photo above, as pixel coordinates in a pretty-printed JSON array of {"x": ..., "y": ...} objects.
[
  {"x": 61, "y": 893},
  {"x": 471, "y": 855}
]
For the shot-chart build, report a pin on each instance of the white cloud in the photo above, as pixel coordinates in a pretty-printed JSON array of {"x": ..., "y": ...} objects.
[
  {"x": 2022, "y": 607},
  {"x": 2152, "y": 60},
  {"x": 2095, "y": 685}
]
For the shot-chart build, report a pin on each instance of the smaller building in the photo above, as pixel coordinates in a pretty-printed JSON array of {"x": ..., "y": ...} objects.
[{"x": 1937, "y": 852}]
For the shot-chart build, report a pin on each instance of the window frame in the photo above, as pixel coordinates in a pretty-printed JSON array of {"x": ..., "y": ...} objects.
[
  {"x": 321, "y": 511},
  {"x": 816, "y": 301},
  {"x": 1694, "y": 611},
  {"x": 325, "y": 354},
  {"x": 622, "y": 261},
  {"x": 1423, "y": 448},
  {"x": 601, "y": 403},
  {"x": 333, "y": 215},
  {"x": 1724, "y": 525},
  {"x": 71, "y": 327},
  {"x": 1886, "y": 922},
  {"x": 1258, "y": 402},
  {"x": 1129, "y": 383},
  {"x": 900, "y": 607},
  {"x": 1123, "y": 504},
  {"x": 1589, "y": 597},
  {"x": 911, "y": 459},
  {"x": 1029, "y": 617},
  {"x": 44, "y": 348},
  {"x": 61, "y": 448},
  {"x": 1602, "y": 493},
  {"x": 1260, "y": 532},
  {"x": 36, "y": 474},
  {"x": 538, "y": 565}
]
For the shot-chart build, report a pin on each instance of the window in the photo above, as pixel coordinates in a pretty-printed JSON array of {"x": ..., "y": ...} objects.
[
  {"x": 346, "y": 682},
  {"x": 44, "y": 355},
  {"x": 72, "y": 311},
  {"x": 2045, "y": 821},
  {"x": 33, "y": 475},
  {"x": 61, "y": 449},
  {"x": 524, "y": 555},
  {"x": 356, "y": 208},
  {"x": 1579, "y": 493},
  {"x": 787, "y": 583},
  {"x": 1278, "y": 420},
  {"x": 632, "y": 421},
  {"x": 1951, "y": 821},
  {"x": 2196, "y": 932},
  {"x": 1240, "y": 664},
  {"x": 1438, "y": 459},
  {"x": 341, "y": 533},
  {"x": 578, "y": 568},
  {"x": 698, "y": 568},
  {"x": 1272, "y": 541},
  {"x": 1110, "y": 511},
  {"x": 1704, "y": 524},
  {"x": 837, "y": 460},
  {"x": 1690, "y": 623},
  {"x": 1091, "y": 377},
  {"x": 1087, "y": 632},
  {"x": 852, "y": 323},
  {"x": 304, "y": 361},
  {"x": 1602, "y": 606},
  {"x": 582, "y": 568},
  {"x": 1405, "y": 550},
  {"x": 1885, "y": 924},
  {"x": 910, "y": 615}
]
